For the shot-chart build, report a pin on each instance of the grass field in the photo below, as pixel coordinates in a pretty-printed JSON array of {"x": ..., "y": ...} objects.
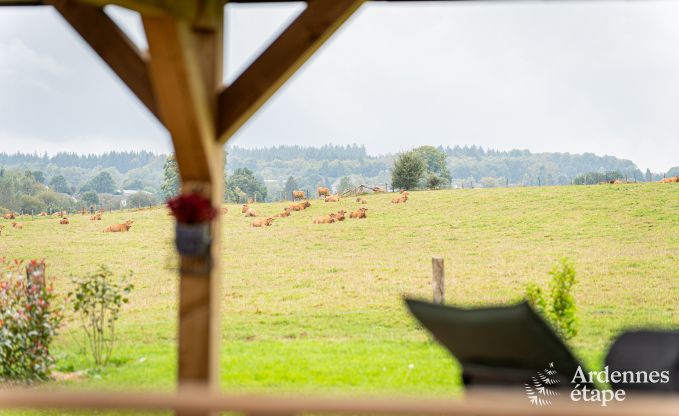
[{"x": 319, "y": 307}]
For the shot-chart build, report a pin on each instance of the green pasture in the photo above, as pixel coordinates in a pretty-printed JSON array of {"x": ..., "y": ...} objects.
[{"x": 318, "y": 308}]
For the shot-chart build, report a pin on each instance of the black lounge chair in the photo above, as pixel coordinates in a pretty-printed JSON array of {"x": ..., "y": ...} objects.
[
  {"x": 498, "y": 346},
  {"x": 645, "y": 351}
]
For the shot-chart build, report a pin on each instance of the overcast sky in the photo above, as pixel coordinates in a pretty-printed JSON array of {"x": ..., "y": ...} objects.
[{"x": 577, "y": 77}]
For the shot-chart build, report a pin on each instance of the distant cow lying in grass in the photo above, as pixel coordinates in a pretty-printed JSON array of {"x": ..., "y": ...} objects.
[
  {"x": 300, "y": 206},
  {"x": 298, "y": 195},
  {"x": 117, "y": 228},
  {"x": 340, "y": 215},
  {"x": 244, "y": 208},
  {"x": 262, "y": 222},
  {"x": 332, "y": 198},
  {"x": 401, "y": 199},
  {"x": 359, "y": 213},
  {"x": 326, "y": 219},
  {"x": 361, "y": 201},
  {"x": 95, "y": 217},
  {"x": 285, "y": 213},
  {"x": 674, "y": 179},
  {"x": 9, "y": 216},
  {"x": 250, "y": 212},
  {"x": 42, "y": 214},
  {"x": 64, "y": 220},
  {"x": 17, "y": 225}
]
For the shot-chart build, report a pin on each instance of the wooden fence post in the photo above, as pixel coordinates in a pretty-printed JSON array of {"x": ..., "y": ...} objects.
[{"x": 438, "y": 280}]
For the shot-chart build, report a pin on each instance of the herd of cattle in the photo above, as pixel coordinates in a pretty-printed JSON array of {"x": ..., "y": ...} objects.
[
  {"x": 323, "y": 193},
  {"x": 62, "y": 216},
  {"x": 248, "y": 211}
]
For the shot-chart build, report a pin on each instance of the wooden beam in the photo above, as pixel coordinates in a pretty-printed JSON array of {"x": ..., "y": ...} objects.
[
  {"x": 185, "y": 9},
  {"x": 182, "y": 99},
  {"x": 186, "y": 67},
  {"x": 113, "y": 46},
  {"x": 239, "y": 101}
]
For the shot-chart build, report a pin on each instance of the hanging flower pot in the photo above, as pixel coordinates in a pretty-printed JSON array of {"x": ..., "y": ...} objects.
[
  {"x": 194, "y": 214},
  {"x": 192, "y": 239}
]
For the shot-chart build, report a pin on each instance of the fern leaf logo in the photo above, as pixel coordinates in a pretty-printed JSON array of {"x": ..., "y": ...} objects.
[{"x": 540, "y": 389}]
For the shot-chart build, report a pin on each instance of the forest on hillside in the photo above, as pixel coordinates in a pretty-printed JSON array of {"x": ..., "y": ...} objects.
[{"x": 39, "y": 180}]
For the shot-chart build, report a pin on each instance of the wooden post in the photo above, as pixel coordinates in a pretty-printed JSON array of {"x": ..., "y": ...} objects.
[
  {"x": 186, "y": 73},
  {"x": 438, "y": 280}
]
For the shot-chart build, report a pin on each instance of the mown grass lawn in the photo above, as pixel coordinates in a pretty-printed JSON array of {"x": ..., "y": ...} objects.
[{"x": 319, "y": 307}]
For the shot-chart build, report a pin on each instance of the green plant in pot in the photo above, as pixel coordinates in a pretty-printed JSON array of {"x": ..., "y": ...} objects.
[{"x": 193, "y": 213}]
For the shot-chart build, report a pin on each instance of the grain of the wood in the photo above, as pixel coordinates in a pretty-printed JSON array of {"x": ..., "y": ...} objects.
[
  {"x": 186, "y": 71},
  {"x": 239, "y": 101},
  {"x": 197, "y": 400},
  {"x": 181, "y": 96},
  {"x": 113, "y": 46},
  {"x": 438, "y": 280}
]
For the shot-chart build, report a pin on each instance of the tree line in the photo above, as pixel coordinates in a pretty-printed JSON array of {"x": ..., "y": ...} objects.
[{"x": 270, "y": 173}]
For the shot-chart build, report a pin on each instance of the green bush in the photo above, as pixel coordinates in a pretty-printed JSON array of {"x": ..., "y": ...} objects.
[
  {"x": 28, "y": 321},
  {"x": 97, "y": 299},
  {"x": 558, "y": 307}
]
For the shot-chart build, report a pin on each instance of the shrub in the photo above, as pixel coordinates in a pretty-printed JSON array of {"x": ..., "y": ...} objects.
[
  {"x": 559, "y": 306},
  {"x": 28, "y": 321},
  {"x": 97, "y": 299}
]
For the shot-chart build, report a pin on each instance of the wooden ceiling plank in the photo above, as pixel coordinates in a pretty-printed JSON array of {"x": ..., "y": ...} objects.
[
  {"x": 239, "y": 101},
  {"x": 113, "y": 46}
]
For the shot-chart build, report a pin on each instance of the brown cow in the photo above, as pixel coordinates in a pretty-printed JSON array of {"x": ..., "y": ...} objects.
[
  {"x": 9, "y": 216},
  {"x": 251, "y": 201},
  {"x": 301, "y": 206},
  {"x": 332, "y": 198},
  {"x": 297, "y": 195},
  {"x": 360, "y": 213},
  {"x": 244, "y": 208},
  {"x": 285, "y": 213},
  {"x": 674, "y": 179},
  {"x": 95, "y": 217},
  {"x": 64, "y": 220},
  {"x": 262, "y": 222},
  {"x": 17, "y": 225},
  {"x": 340, "y": 215},
  {"x": 117, "y": 228},
  {"x": 323, "y": 191},
  {"x": 401, "y": 199},
  {"x": 326, "y": 219},
  {"x": 361, "y": 201},
  {"x": 250, "y": 213},
  {"x": 42, "y": 214}
]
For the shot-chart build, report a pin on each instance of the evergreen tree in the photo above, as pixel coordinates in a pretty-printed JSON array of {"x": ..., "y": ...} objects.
[
  {"x": 407, "y": 171},
  {"x": 170, "y": 185},
  {"x": 290, "y": 185}
]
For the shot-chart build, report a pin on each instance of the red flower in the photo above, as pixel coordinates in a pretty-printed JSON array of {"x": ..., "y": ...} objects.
[{"x": 192, "y": 208}]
